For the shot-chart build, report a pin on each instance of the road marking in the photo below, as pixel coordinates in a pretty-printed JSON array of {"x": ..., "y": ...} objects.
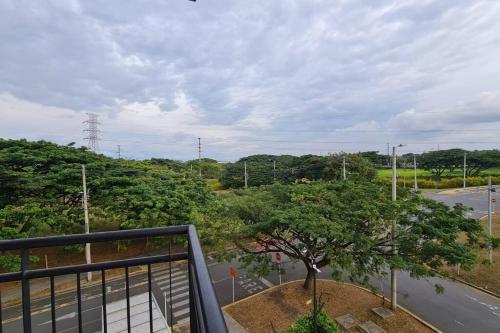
[
  {"x": 266, "y": 282},
  {"x": 179, "y": 304},
  {"x": 459, "y": 323},
  {"x": 176, "y": 297},
  {"x": 67, "y": 316},
  {"x": 181, "y": 312},
  {"x": 180, "y": 283},
  {"x": 167, "y": 277},
  {"x": 179, "y": 289}
]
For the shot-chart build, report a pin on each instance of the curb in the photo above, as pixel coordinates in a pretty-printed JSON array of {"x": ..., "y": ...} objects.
[
  {"x": 422, "y": 321},
  {"x": 486, "y": 291}
]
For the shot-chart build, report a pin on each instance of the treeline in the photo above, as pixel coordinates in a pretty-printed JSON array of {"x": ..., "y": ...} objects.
[
  {"x": 288, "y": 169},
  {"x": 41, "y": 191},
  {"x": 448, "y": 161}
]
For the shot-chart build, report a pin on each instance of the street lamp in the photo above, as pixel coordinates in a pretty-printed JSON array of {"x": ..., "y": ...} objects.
[{"x": 394, "y": 302}]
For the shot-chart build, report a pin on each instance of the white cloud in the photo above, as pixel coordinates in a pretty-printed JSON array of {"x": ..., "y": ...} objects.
[{"x": 172, "y": 71}]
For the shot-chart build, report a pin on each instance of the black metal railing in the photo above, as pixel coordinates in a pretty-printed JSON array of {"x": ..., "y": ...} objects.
[{"x": 205, "y": 314}]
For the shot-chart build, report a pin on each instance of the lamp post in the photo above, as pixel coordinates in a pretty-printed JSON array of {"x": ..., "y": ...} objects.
[{"x": 394, "y": 300}]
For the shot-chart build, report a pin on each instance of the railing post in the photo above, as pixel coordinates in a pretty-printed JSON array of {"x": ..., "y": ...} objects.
[
  {"x": 25, "y": 285},
  {"x": 193, "y": 321}
]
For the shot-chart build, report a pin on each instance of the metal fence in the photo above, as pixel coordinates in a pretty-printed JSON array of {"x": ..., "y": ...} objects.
[{"x": 205, "y": 314}]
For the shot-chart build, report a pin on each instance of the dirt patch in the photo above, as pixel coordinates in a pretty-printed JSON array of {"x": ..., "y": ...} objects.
[
  {"x": 280, "y": 307},
  {"x": 483, "y": 274}
]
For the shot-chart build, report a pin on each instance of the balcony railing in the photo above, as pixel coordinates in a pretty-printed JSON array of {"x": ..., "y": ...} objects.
[{"x": 205, "y": 314}]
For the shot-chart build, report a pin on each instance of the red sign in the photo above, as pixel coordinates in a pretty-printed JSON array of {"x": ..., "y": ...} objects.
[
  {"x": 233, "y": 272},
  {"x": 278, "y": 257},
  {"x": 493, "y": 200}
]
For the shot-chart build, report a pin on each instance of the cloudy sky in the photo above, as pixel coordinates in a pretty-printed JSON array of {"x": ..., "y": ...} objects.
[{"x": 260, "y": 76}]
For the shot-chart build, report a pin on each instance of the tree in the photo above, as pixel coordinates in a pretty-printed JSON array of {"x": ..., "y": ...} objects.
[
  {"x": 357, "y": 167},
  {"x": 40, "y": 190},
  {"x": 479, "y": 160},
  {"x": 346, "y": 226},
  {"x": 440, "y": 161}
]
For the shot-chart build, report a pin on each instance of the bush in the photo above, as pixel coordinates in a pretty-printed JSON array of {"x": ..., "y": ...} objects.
[{"x": 304, "y": 324}]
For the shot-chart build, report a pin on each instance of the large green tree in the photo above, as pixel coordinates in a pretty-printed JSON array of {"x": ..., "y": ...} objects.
[
  {"x": 346, "y": 225},
  {"x": 41, "y": 185}
]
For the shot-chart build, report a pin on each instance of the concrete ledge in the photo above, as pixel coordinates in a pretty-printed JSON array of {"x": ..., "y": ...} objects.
[{"x": 232, "y": 325}]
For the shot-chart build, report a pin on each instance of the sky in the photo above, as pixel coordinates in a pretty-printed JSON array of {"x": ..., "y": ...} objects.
[{"x": 252, "y": 77}]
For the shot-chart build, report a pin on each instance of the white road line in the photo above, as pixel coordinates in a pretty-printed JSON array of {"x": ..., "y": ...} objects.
[
  {"x": 181, "y": 312},
  {"x": 166, "y": 272},
  {"x": 176, "y": 297},
  {"x": 459, "y": 323},
  {"x": 178, "y": 289},
  {"x": 174, "y": 284},
  {"x": 176, "y": 276},
  {"x": 266, "y": 282},
  {"x": 181, "y": 303}
]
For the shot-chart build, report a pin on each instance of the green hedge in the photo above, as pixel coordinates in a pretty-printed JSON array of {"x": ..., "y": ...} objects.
[{"x": 446, "y": 182}]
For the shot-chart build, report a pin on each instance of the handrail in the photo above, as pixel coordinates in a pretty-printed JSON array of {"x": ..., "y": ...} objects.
[
  {"x": 212, "y": 314},
  {"x": 205, "y": 312}
]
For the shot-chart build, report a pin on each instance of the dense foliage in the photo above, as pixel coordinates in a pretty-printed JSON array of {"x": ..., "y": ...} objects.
[
  {"x": 287, "y": 169},
  {"x": 346, "y": 225},
  {"x": 41, "y": 191},
  {"x": 449, "y": 160}
]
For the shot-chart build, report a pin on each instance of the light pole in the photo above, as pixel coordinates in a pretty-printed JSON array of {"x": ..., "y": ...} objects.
[
  {"x": 490, "y": 219},
  {"x": 465, "y": 169},
  {"x": 394, "y": 300},
  {"x": 415, "y": 172}
]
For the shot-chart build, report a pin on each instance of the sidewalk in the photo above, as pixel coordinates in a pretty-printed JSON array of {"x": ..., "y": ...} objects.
[{"x": 232, "y": 325}]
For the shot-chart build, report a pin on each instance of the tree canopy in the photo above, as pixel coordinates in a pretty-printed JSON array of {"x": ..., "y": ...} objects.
[
  {"x": 346, "y": 225},
  {"x": 288, "y": 169},
  {"x": 41, "y": 191}
]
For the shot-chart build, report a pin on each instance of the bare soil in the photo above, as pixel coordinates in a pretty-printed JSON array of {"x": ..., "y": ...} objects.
[{"x": 280, "y": 307}]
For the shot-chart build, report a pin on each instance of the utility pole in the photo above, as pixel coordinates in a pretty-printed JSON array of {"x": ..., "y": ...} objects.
[
  {"x": 394, "y": 301},
  {"x": 465, "y": 169},
  {"x": 87, "y": 228},
  {"x": 343, "y": 168},
  {"x": 388, "y": 154},
  {"x": 119, "y": 151},
  {"x": 246, "y": 175},
  {"x": 415, "y": 172},
  {"x": 199, "y": 155},
  {"x": 274, "y": 171},
  {"x": 490, "y": 224}
]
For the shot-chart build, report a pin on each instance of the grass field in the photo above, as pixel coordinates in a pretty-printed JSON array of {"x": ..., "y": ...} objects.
[{"x": 387, "y": 173}]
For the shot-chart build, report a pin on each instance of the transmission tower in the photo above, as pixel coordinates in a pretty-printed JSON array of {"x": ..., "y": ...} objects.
[{"x": 93, "y": 131}]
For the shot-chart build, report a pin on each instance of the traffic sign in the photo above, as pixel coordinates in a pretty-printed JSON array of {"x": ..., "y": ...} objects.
[
  {"x": 493, "y": 200},
  {"x": 233, "y": 272},
  {"x": 278, "y": 257}
]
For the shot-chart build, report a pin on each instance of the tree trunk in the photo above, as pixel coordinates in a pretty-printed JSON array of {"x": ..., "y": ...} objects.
[{"x": 309, "y": 277}]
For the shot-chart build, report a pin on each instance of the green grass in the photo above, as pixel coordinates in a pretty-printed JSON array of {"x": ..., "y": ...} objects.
[{"x": 387, "y": 173}]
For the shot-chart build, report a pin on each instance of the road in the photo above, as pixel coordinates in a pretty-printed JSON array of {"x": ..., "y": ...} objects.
[{"x": 475, "y": 198}]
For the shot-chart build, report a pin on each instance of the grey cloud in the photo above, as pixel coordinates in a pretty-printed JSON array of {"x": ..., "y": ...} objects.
[{"x": 255, "y": 65}]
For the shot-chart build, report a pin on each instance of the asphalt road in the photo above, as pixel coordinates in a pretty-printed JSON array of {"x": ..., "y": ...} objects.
[{"x": 475, "y": 198}]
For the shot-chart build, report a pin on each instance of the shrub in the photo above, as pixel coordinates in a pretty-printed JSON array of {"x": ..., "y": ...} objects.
[{"x": 305, "y": 324}]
